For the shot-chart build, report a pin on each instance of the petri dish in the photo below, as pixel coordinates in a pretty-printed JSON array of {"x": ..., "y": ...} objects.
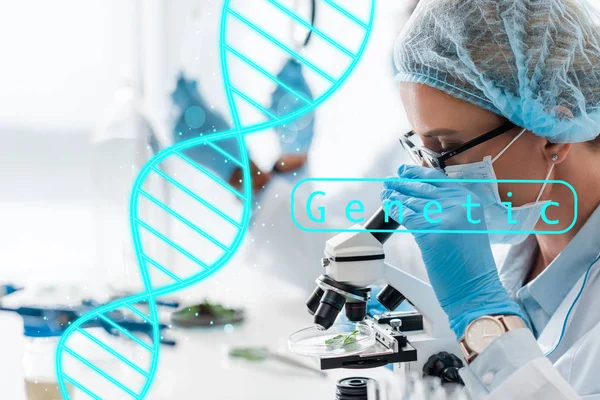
[{"x": 314, "y": 342}]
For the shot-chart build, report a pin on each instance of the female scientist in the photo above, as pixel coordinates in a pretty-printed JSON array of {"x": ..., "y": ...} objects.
[{"x": 527, "y": 72}]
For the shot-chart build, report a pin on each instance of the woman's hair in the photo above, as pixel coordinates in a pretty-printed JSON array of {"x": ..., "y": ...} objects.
[
  {"x": 562, "y": 56},
  {"x": 536, "y": 63}
]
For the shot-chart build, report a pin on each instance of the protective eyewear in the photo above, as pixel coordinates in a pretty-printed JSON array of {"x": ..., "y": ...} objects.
[{"x": 421, "y": 155}]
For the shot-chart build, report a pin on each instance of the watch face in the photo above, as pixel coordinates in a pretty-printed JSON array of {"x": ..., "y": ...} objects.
[{"x": 482, "y": 332}]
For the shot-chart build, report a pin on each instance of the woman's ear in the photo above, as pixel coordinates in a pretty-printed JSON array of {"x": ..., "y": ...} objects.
[
  {"x": 557, "y": 152},
  {"x": 563, "y": 112}
]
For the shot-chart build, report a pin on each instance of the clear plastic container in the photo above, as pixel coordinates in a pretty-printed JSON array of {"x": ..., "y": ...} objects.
[
  {"x": 12, "y": 346},
  {"x": 39, "y": 369},
  {"x": 39, "y": 366},
  {"x": 314, "y": 342}
]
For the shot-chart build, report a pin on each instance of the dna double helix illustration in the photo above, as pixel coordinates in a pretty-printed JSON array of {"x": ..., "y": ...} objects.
[{"x": 79, "y": 371}]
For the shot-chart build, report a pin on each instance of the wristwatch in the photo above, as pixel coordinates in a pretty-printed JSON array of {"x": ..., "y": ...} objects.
[{"x": 484, "y": 330}]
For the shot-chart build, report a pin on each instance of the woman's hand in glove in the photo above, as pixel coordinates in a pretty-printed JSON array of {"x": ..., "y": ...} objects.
[{"x": 461, "y": 268}]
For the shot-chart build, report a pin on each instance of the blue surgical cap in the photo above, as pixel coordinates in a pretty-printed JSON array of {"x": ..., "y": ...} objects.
[{"x": 535, "y": 62}]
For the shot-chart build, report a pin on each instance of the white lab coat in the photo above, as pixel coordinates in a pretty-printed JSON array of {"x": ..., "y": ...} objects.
[
  {"x": 564, "y": 361},
  {"x": 572, "y": 370}
]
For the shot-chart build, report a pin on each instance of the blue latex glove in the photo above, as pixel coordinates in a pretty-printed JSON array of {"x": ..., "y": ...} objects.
[
  {"x": 295, "y": 136},
  {"x": 195, "y": 118},
  {"x": 460, "y": 266}
]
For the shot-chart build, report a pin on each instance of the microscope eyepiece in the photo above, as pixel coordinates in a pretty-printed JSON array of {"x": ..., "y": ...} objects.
[
  {"x": 381, "y": 226},
  {"x": 390, "y": 298},
  {"x": 330, "y": 306},
  {"x": 314, "y": 300}
]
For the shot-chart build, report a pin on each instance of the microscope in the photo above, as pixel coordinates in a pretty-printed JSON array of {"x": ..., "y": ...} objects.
[{"x": 415, "y": 341}]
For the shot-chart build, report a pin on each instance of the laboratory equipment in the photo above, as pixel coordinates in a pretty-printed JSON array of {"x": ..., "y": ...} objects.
[
  {"x": 39, "y": 362},
  {"x": 44, "y": 322},
  {"x": 415, "y": 387},
  {"x": 409, "y": 339},
  {"x": 38, "y": 366},
  {"x": 423, "y": 388},
  {"x": 340, "y": 339},
  {"x": 258, "y": 354},
  {"x": 55, "y": 320},
  {"x": 168, "y": 303},
  {"x": 50, "y": 320},
  {"x": 355, "y": 388},
  {"x": 7, "y": 289}
]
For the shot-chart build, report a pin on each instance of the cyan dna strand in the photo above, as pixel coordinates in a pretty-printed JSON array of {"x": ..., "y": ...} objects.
[{"x": 128, "y": 366}]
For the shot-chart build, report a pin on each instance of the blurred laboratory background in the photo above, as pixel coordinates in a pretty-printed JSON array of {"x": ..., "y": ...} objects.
[
  {"x": 86, "y": 98},
  {"x": 70, "y": 66}
]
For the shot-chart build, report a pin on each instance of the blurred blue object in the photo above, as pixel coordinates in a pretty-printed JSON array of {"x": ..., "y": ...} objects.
[
  {"x": 52, "y": 321},
  {"x": 195, "y": 118},
  {"x": 5, "y": 290},
  {"x": 295, "y": 136},
  {"x": 48, "y": 321},
  {"x": 374, "y": 307}
]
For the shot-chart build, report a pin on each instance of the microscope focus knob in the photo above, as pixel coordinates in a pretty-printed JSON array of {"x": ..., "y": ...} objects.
[
  {"x": 445, "y": 366},
  {"x": 396, "y": 323}
]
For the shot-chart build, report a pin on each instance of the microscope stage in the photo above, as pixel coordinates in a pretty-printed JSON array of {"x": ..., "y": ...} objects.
[{"x": 377, "y": 356}]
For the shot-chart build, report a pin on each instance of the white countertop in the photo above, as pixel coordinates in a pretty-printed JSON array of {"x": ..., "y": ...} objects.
[{"x": 198, "y": 366}]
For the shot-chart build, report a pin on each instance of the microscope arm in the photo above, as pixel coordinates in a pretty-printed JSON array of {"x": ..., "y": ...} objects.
[
  {"x": 418, "y": 293},
  {"x": 421, "y": 295}
]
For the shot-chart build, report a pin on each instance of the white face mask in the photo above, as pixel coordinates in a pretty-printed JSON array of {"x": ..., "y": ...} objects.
[{"x": 497, "y": 217}]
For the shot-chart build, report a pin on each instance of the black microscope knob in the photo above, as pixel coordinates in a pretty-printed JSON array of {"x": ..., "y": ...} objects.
[{"x": 445, "y": 366}]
